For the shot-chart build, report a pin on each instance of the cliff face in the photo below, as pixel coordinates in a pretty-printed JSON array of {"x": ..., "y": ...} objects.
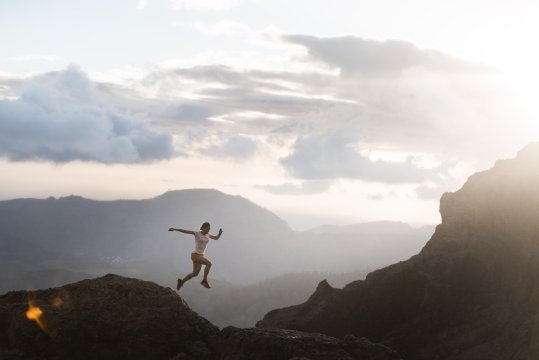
[
  {"x": 114, "y": 317},
  {"x": 471, "y": 293}
]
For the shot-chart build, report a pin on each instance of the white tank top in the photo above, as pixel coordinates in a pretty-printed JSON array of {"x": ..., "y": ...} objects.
[{"x": 201, "y": 241}]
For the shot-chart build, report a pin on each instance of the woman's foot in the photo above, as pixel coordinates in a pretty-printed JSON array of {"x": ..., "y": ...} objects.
[
  {"x": 205, "y": 284},
  {"x": 179, "y": 284}
]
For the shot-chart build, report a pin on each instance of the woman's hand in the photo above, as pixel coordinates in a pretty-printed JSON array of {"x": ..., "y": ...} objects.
[
  {"x": 216, "y": 237},
  {"x": 171, "y": 229}
]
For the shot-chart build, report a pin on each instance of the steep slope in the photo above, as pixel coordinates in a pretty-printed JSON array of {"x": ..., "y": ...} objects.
[
  {"x": 114, "y": 317},
  {"x": 471, "y": 293}
]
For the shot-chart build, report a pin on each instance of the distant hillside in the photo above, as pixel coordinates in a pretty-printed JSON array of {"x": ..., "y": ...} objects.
[{"x": 130, "y": 237}]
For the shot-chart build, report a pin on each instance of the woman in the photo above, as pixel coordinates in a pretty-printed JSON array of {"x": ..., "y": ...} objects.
[{"x": 201, "y": 240}]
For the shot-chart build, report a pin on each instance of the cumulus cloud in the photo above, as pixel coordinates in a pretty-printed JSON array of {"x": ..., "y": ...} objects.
[
  {"x": 373, "y": 57},
  {"x": 222, "y": 92},
  {"x": 386, "y": 95},
  {"x": 381, "y": 95},
  {"x": 397, "y": 95},
  {"x": 415, "y": 100},
  {"x": 64, "y": 116},
  {"x": 332, "y": 155}
]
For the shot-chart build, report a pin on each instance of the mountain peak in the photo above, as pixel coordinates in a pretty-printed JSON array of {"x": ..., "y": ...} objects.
[{"x": 501, "y": 201}]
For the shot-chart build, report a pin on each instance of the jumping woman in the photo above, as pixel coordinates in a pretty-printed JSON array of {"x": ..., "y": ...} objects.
[{"x": 197, "y": 256}]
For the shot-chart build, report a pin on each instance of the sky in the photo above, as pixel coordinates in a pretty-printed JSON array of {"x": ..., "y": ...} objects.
[{"x": 324, "y": 112}]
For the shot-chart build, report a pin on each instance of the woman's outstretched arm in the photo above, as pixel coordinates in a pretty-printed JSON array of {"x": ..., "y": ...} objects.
[
  {"x": 183, "y": 231},
  {"x": 218, "y": 235}
]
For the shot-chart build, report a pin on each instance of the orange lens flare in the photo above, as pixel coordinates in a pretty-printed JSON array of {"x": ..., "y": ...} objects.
[
  {"x": 57, "y": 302},
  {"x": 35, "y": 313}
]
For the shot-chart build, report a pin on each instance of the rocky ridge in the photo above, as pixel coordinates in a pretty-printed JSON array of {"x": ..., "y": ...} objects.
[
  {"x": 471, "y": 293},
  {"x": 114, "y": 317}
]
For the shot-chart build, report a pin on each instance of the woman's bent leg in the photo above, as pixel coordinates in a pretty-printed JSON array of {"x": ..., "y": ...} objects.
[{"x": 196, "y": 269}]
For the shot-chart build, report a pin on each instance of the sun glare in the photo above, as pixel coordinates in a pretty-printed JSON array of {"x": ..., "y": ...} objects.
[{"x": 33, "y": 313}]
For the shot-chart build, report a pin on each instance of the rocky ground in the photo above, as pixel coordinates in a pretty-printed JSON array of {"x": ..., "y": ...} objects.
[{"x": 114, "y": 317}]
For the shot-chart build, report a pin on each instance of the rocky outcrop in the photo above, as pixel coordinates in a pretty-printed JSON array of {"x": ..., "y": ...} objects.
[
  {"x": 111, "y": 317},
  {"x": 114, "y": 317},
  {"x": 267, "y": 344},
  {"x": 471, "y": 293}
]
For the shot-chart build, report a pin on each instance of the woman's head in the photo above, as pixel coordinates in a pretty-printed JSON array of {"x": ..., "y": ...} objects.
[{"x": 205, "y": 228}]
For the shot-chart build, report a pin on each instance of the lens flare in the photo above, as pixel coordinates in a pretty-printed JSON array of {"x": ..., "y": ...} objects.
[
  {"x": 35, "y": 313},
  {"x": 57, "y": 302}
]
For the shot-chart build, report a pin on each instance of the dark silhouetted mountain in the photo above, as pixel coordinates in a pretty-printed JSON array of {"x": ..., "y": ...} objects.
[
  {"x": 471, "y": 293},
  {"x": 119, "y": 318},
  {"x": 130, "y": 237}
]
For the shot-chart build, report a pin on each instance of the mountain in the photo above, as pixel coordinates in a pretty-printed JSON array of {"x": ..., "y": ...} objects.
[
  {"x": 130, "y": 237},
  {"x": 471, "y": 293},
  {"x": 114, "y": 317}
]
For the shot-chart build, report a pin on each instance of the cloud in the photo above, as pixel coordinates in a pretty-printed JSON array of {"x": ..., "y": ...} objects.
[
  {"x": 332, "y": 155},
  {"x": 387, "y": 95},
  {"x": 63, "y": 116},
  {"x": 372, "y": 57},
  {"x": 235, "y": 147},
  {"x": 379, "y": 95},
  {"x": 221, "y": 91},
  {"x": 410, "y": 99},
  {"x": 304, "y": 188}
]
